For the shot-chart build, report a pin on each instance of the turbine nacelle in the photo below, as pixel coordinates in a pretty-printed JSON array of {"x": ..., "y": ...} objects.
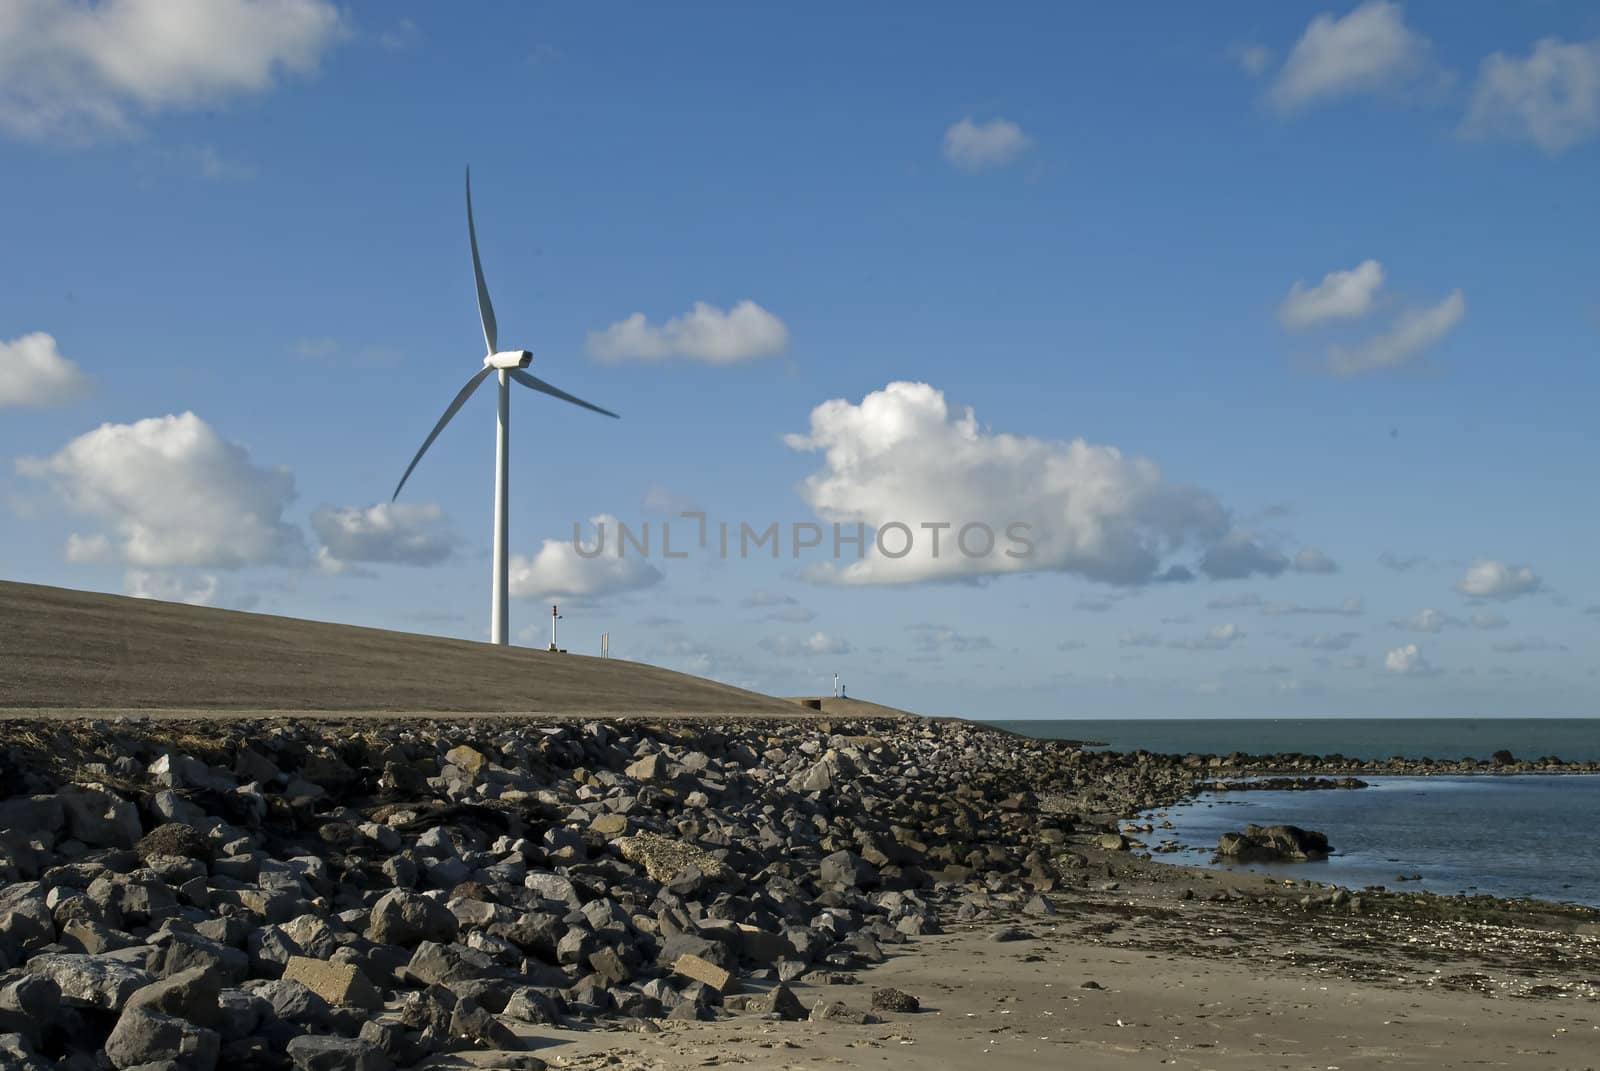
[{"x": 508, "y": 359}]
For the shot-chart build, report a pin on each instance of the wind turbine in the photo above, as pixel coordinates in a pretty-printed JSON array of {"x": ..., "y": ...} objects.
[{"x": 509, "y": 365}]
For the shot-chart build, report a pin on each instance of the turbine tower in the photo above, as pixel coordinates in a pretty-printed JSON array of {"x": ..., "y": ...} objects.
[{"x": 509, "y": 365}]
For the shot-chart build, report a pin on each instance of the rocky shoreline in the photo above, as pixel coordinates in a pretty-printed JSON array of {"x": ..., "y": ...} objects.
[{"x": 325, "y": 895}]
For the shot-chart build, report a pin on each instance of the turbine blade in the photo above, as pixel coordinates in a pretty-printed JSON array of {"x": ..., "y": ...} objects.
[
  {"x": 455, "y": 406},
  {"x": 485, "y": 310},
  {"x": 555, "y": 392}
]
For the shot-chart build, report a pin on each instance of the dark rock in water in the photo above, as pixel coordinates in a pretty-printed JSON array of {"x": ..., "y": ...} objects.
[
  {"x": 894, "y": 1000},
  {"x": 1274, "y": 844}
]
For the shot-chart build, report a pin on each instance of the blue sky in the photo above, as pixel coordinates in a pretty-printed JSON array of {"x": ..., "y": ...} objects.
[{"x": 1308, "y": 286}]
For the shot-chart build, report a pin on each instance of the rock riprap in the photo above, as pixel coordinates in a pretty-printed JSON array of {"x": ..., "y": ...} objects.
[{"x": 270, "y": 894}]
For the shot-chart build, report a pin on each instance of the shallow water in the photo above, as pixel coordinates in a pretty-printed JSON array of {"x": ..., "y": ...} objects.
[{"x": 1528, "y": 835}]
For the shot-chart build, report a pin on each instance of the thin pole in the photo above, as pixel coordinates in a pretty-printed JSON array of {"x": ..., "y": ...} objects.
[{"x": 499, "y": 623}]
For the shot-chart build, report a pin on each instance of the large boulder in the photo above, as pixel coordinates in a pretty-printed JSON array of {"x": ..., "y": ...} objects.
[
  {"x": 1289, "y": 844},
  {"x": 143, "y": 1036},
  {"x": 91, "y": 981},
  {"x": 402, "y": 917},
  {"x": 99, "y": 818}
]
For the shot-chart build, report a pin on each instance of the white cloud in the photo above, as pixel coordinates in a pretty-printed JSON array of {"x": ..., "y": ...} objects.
[
  {"x": 1252, "y": 59},
  {"x": 1488, "y": 621},
  {"x": 1428, "y": 620},
  {"x": 1139, "y": 639},
  {"x": 1329, "y": 641},
  {"x": 401, "y": 533},
  {"x": 1368, "y": 50},
  {"x": 1342, "y": 295},
  {"x": 1352, "y": 607},
  {"x": 1219, "y": 638},
  {"x": 84, "y": 71},
  {"x": 1410, "y": 335},
  {"x": 932, "y": 638},
  {"x": 1538, "y": 643},
  {"x": 1550, "y": 97},
  {"x": 1406, "y": 660},
  {"x": 818, "y": 643},
  {"x": 33, "y": 373},
  {"x": 173, "y": 492},
  {"x": 761, "y": 599},
  {"x": 559, "y": 570},
  {"x": 658, "y": 499},
  {"x": 974, "y": 146},
  {"x": 705, "y": 333},
  {"x": 167, "y": 587},
  {"x": 1234, "y": 602},
  {"x": 791, "y": 615},
  {"x": 1390, "y": 560},
  {"x": 1312, "y": 560},
  {"x": 1238, "y": 556},
  {"x": 902, "y": 457},
  {"x": 1496, "y": 580}
]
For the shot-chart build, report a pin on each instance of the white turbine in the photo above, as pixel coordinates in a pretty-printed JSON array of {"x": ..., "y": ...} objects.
[{"x": 509, "y": 364}]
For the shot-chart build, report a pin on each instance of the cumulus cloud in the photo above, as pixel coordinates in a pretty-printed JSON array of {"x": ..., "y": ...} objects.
[
  {"x": 941, "y": 639},
  {"x": 167, "y": 587},
  {"x": 974, "y": 146},
  {"x": 1329, "y": 641},
  {"x": 1253, "y": 59},
  {"x": 1550, "y": 97},
  {"x": 1406, "y": 660},
  {"x": 1139, "y": 639},
  {"x": 791, "y": 615},
  {"x": 658, "y": 499},
  {"x": 1312, "y": 560},
  {"x": 705, "y": 333},
  {"x": 85, "y": 71},
  {"x": 761, "y": 598},
  {"x": 1488, "y": 621},
  {"x": 33, "y": 373},
  {"x": 398, "y": 533},
  {"x": 172, "y": 492},
  {"x": 1219, "y": 638},
  {"x": 1352, "y": 607},
  {"x": 1242, "y": 601},
  {"x": 559, "y": 570},
  {"x": 1427, "y": 620},
  {"x": 903, "y": 457},
  {"x": 818, "y": 643},
  {"x": 1398, "y": 563},
  {"x": 1537, "y": 643},
  {"x": 1412, "y": 334},
  {"x": 1238, "y": 556},
  {"x": 1486, "y": 579},
  {"x": 1342, "y": 295},
  {"x": 1368, "y": 50}
]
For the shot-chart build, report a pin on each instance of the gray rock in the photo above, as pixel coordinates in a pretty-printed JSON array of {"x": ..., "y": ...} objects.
[
  {"x": 311, "y": 1053},
  {"x": 404, "y": 918},
  {"x": 143, "y": 1036},
  {"x": 100, "y": 818},
  {"x": 190, "y": 995},
  {"x": 91, "y": 981}
]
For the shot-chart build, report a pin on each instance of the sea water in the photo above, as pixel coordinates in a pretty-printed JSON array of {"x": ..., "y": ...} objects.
[
  {"x": 1526, "y": 835},
  {"x": 1573, "y": 739},
  {"x": 1519, "y": 835}
]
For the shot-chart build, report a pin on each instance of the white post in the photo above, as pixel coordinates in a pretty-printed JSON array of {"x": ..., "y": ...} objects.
[
  {"x": 554, "y": 617},
  {"x": 499, "y": 625}
]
